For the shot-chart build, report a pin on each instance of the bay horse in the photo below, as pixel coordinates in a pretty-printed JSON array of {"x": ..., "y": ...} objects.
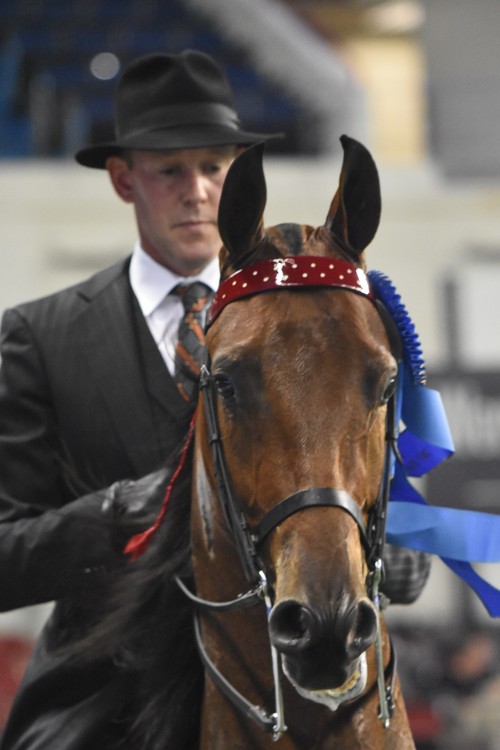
[
  {"x": 293, "y": 439},
  {"x": 272, "y": 528}
]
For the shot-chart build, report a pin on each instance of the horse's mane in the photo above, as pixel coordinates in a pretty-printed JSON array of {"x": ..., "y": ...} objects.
[{"x": 148, "y": 629}]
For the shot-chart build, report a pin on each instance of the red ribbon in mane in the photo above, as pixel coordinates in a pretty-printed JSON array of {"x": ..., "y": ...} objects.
[{"x": 138, "y": 544}]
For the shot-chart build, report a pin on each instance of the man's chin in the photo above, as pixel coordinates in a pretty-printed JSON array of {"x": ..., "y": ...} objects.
[{"x": 189, "y": 263}]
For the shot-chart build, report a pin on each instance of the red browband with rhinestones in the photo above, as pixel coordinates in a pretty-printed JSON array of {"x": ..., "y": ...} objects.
[{"x": 289, "y": 273}]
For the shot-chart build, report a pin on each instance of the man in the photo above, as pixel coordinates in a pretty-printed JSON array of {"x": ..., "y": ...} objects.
[
  {"x": 95, "y": 388},
  {"x": 88, "y": 389}
]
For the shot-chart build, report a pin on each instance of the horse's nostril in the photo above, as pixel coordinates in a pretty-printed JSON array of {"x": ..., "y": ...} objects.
[
  {"x": 291, "y": 627},
  {"x": 294, "y": 627},
  {"x": 363, "y": 629}
]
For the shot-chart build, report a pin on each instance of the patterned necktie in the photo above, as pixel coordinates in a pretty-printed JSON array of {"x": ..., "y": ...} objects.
[{"x": 190, "y": 345}]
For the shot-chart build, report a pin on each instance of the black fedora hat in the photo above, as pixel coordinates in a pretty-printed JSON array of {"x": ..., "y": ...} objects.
[{"x": 172, "y": 101}]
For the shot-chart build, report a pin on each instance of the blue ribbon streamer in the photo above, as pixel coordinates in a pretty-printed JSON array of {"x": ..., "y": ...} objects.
[
  {"x": 427, "y": 440},
  {"x": 474, "y": 536},
  {"x": 458, "y": 537}
]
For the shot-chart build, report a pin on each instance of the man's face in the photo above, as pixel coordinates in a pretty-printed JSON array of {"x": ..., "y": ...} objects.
[{"x": 176, "y": 199}]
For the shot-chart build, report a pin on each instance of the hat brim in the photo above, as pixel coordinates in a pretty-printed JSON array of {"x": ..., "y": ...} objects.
[{"x": 164, "y": 140}]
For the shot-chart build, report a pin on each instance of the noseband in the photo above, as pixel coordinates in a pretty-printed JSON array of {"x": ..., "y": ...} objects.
[{"x": 289, "y": 273}]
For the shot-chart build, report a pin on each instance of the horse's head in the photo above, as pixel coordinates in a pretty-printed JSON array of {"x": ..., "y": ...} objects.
[{"x": 301, "y": 377}]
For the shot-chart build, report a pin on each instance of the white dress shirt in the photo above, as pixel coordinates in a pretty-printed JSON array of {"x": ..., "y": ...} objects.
[{"x": 152, "y": 284}]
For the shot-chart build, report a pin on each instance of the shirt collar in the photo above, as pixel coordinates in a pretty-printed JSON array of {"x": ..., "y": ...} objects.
[{"x": 151, "y": 282}]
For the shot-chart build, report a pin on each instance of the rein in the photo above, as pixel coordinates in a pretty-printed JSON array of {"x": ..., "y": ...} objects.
[{"x": 300, "y": 271}]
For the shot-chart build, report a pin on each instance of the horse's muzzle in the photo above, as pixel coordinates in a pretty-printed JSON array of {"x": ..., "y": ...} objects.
[{"x": 321, "y": 647}]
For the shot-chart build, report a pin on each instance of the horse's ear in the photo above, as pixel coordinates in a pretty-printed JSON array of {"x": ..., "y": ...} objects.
[
  {"x": 354, "y": 213},
  {"x": 242, "y": 206}
]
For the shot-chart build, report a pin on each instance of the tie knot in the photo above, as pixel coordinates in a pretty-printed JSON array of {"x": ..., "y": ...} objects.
[{"x": 193, "y": 296}]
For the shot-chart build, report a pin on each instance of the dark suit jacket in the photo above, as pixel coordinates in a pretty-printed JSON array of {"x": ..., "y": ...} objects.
[{"x": 85, "y": 400}]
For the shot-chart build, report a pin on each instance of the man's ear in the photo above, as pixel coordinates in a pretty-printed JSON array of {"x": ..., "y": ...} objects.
[{"x": 119, "y": 173}]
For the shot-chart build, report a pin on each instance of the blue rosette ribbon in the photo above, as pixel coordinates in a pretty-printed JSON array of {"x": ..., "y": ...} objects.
[{"x": 459, "y": 537}]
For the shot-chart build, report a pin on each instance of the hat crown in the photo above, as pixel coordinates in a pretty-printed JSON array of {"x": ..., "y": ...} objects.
[{"x": 161, "y": 82}]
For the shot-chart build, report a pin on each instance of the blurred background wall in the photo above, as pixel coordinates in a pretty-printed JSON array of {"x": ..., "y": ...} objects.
[{"x": 418, "y": 81}]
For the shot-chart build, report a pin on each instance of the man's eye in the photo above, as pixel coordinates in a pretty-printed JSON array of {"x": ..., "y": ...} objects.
[{"x": 212, "y": 168}]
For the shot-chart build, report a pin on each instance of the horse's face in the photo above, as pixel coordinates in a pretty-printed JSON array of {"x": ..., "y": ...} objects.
[{"x": 302, "y": 380}]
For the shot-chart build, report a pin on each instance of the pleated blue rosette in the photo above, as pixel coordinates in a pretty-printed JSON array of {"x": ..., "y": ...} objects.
[{"x": 460, "y": 537}]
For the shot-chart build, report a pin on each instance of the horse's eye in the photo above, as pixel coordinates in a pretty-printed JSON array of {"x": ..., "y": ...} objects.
[
  {"x": 389, "y": 391},
  {"x": 224, "y": 386}
]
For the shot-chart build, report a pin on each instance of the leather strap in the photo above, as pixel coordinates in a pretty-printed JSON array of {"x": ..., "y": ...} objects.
[
  {"x": 264, "y": 720},
  {"x": 241, "y": 602},
  {"x": 317, "y": 496}
]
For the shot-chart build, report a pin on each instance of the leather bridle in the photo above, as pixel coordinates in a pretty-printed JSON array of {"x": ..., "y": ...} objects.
[{"x": 249, "y": 539}]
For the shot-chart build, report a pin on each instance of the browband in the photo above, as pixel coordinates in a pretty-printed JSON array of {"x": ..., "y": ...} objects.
[{"x": 289, "y": 273}]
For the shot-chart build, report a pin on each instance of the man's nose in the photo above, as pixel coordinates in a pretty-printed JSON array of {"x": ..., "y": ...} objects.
[{"x": 195, "y": 187}]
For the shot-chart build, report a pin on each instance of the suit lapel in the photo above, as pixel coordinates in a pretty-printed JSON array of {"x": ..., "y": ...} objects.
[{"x": 110, "y": 348}]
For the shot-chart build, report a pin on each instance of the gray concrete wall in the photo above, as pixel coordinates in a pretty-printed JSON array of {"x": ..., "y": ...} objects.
[{"x": 460, "y": 42}]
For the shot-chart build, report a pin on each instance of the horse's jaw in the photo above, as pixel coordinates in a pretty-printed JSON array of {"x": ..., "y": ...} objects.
[{"x": 335, "y": 697}]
